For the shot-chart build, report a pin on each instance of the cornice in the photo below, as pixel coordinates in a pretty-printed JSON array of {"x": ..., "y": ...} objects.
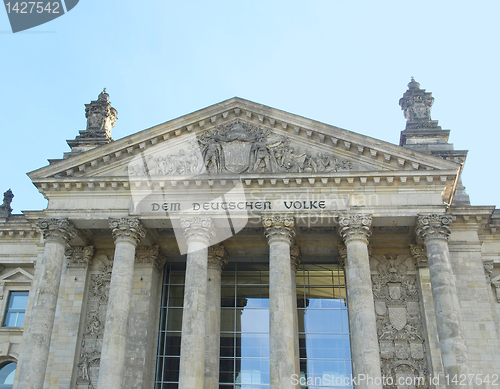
[
  {"x": 407, "y": 178},
  {"x": 237, "y": 108}
]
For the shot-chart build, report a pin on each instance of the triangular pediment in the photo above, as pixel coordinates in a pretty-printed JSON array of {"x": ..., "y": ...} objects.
[
  {"x": 16, "y": 275},
  {"x": 240, "y": 137}
]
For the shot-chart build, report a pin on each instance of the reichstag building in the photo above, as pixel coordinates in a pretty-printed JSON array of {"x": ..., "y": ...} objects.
[{"x": 244, "y": 247}]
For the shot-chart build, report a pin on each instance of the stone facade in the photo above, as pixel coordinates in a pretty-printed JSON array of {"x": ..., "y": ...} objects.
[{"x": 239, "y": 182}]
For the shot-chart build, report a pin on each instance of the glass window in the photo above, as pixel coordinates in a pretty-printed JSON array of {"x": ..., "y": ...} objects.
[
  {"x": 244, "y": 340},
  {"x": 7, "y": 373},
  {"x": 16, "y": 307}
]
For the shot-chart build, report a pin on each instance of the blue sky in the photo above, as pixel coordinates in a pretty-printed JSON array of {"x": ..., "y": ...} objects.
[{"x": 345, "y": 63}]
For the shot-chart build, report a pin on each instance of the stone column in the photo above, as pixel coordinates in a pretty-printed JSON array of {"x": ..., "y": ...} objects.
[
  {"x": 280, "y": 234},
  {"x": 434, "y": 231},
  {"x": 295, "y": 255},
  {"x": 199, "y": 231},
  {"x": 127, "y": 232},
  {"x": 69, "y": 314},
  {"x": 355, "y": 230},
  {"x": 142, "y": 336},
  {"x": 217, "y": 258},
  {"x": 57, "y": 233}
]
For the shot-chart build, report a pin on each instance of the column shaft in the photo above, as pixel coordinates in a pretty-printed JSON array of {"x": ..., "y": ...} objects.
[
  {"x": 34, "y": 364},
  {"x": 216, "y": 259},
  {"x": 434, "y": 230},
  {"x": 198, "y": 232},
  {"x": 365, "y": 351},
  {"x": 282, "y": 317},
  {"x": 127, "y": 233}
]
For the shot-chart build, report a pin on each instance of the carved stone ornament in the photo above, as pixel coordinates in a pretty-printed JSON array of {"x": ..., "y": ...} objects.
[
  {"x": 419, "y": 252},
  {"x": 60, "y": 230},
  {"x": 5, "y": 208},
  {"x": 488, "y": 269},
  {"x": 399, "y": 321},
  {"x": 416, "y": 103},
  {"x": 342, "y": 254},
  {"x": 79, "y": 256},
  {"x": 433, "y": 227},
  {"x": 198, "y": 229},
  {"x": 496, "y": 285},
  {"x": 150, "y": 255},
  {"x": 355, "y": 227},
  {"x": 101, "y": 117},
  {"x": 236, "y": 148},
  {"x": 295, "y": 256},
  {"x": 217, "y": 257},
  {"x": 93, "y": 330},
  {"x": 279, "y": 228},
  {"x": 129, "y": 229}
]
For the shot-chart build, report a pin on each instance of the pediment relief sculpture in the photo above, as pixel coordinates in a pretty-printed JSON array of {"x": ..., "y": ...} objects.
[{"x": 235, "y": 148}]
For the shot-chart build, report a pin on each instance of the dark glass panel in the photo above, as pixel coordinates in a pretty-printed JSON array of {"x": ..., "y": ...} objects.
[
  {"x": 176, "y": 296},
  {"x": 174, "y": 322},
  {"x": 173, "y": 344},
  {"x": 170, "y": 369},
  {"x": 227, "y": 319}
]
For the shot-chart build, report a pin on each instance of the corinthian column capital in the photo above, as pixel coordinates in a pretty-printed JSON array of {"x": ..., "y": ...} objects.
[
  {"x": 433, "y": 227},
  {"x": 127, "y": 229},
  {"x": 217, "y": 257},
  {"x": 279, "y": 229},
  {"x": 201, "y": 229},
  {"x": 58, "y": 230},
  {"x": 355, "y": 227}
]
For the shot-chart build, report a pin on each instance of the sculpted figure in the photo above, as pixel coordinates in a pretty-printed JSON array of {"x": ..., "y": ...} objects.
[
  {"x": 262, "y": 156},
  {"x": 212, "y": 155},
  {"x": 290, "y": 161}
]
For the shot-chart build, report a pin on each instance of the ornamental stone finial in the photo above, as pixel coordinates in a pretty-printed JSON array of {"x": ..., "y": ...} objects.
[
  {"x": 355, "y": 227},
  {"x": 416, "y": 103},
  {"x": 101, "y": 116},
  {"x": 279, "y": 228},
  {"x": 5, "y": 208},
  {"x": 201, "y": 229},
  {"x": 217, "y": 257},
  {"x": 127, "y": 229},
  {"x": 59, "y": 230},
  {"x": 433, "y": 227}
]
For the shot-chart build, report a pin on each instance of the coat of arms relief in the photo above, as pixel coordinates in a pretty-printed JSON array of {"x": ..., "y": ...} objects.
[
  {"x": 236, "y": 148},
  {"x": 399, "y": 321}
]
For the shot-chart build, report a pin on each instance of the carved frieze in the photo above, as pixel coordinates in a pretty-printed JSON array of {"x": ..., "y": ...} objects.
[
  {"x": 79, "y": 256},
  {"x": 399, "y": 322},
  {"x": 236, "y": 148},
  {"x": 93, "y": 330}
]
